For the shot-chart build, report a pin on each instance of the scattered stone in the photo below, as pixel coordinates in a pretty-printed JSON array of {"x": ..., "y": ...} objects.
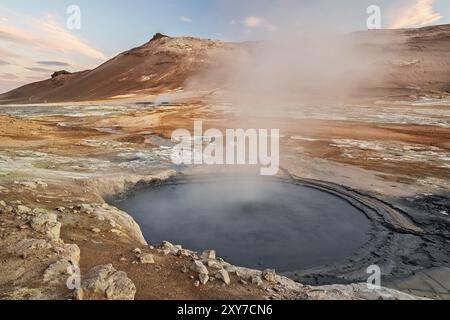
[
  {"x": 3, "y": 203},
  {"x": 204, "y": 278},
  {"x": 166, "y": 245},
  {"x": 86, "y": 208},
  {"x": 243, "y": 282},
  {"x": 47, "y": 224},
  {"x": 21, "y": 209},
  {"x": 55, "y": 271},
  {"x": 117, "y": 232},
  {"x": 224, "y": 276},
  {"x": 38, "y": 211},
  {"x": 257, "y": 280},
  {"x": 197, "y": 284},
  {"x": 184, "y": 269},
  {"x": 147, "y": 259},
  {"x": 105, "y": 206},
  {"x": 41, "y": 183},
  {"x": 199, "y": 267},
  {"x": 269, "y": 275},
  {"x": 214, "y": 264},
  {"x": 71, "y": 252},
  {"x": 166, "y": 252},
  {"x": 106, "y": 283},
  {"x": 96, "y": 230},
  {"x": 209, "y": 255},
  {"x": 137, "y": 251},
  {"x": 123, "y": 259},
  {"x": 27, "y": 184},
  {"x": 61, "y": 209}
]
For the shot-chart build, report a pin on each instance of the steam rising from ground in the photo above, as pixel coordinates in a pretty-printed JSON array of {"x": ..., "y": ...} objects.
[{"x": 307, "y": 60}]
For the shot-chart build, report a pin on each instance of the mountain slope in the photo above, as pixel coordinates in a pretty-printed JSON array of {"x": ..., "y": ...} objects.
[
  {"x": 162, "y": 64},
  {"x": 413, "y": 61}
]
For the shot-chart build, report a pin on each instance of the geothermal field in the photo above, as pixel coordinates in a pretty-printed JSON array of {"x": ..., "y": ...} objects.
[{"x": 361, "y": 179}]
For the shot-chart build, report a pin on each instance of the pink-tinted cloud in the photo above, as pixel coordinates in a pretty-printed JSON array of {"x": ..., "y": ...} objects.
[
  {"x": 255, "y": 22},
  {"x": 416, "y": 13},
  {"x": 47, "y": 34}
]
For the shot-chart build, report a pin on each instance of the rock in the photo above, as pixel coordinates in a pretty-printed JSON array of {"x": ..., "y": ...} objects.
[
  {"x": 214, "y": 264},
  {"x": 209, "y": 255},
  {"x": 204, "y": 278},
  {"x": 123, "y": 259},
  {"x": 86, "y": 208},
  {"x": 2, "y": 203},
  {"x": 21, "y": 209},
  {"x": 41, "y": 184},
  {"x": 257, "y": 280},
  {"x": 71, "y": 252},
  {"x": 224, "y": 276},
  {"x": 184, "y": 269},
  {"x": 269, "y": 275},
  {"x": 197, "y": 284},
  {"x": 47, "y": 224},
  {"x": 243, "y": 282},
  {"x": 61, "y": 209},
  {"x": 55, "y": 271},
  {"x": 166, "y": 245},
  {"x": 27, "y": 184},
  {"x": 26, "y": 247},
  {"x": 106, "y": 283},
  {"x": 38, "y": 211},
  {"x": 137, "y": 251},
  {"x": 199, "y": 267},
  {"x": 147, "y": 259},
  {"x": 96, "y": 230}
]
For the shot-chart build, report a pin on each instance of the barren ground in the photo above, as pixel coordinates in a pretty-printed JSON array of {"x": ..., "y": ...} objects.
[{"x": 80, "y": 155}]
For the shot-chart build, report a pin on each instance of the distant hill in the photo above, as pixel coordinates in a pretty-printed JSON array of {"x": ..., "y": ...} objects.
[{"x": 417, "y": 60}]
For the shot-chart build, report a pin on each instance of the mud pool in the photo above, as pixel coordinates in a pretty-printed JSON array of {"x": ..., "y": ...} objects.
[{"x": 251, "y": 222}]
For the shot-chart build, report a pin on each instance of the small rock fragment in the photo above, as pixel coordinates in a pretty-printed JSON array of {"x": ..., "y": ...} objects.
[{"x": 147, "y": 259}]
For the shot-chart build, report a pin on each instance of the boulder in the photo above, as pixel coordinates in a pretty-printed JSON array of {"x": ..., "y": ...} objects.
[
  {"x": 224, "y": 276},
  {"x": 199, "y": 267},
  {"x": 55, "y": 272},
  {"x": 269, "y": 275},
  {"x": 47, "y": 224},
  {"x": 106, "y": 283}
]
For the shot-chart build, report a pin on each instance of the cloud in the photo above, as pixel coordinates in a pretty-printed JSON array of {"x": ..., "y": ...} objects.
[
  {"x": 47, "y": 34},
  {"x": 416, "y": 14},
  {"x": 185, "y": 19},
  {"x": 40, "y": 70},
  {"x": 3, "y": 62},
  {"x": 259, "y": 23},
  {"x": 53, "y": 63},
  {"x": 8, "y": 76}
]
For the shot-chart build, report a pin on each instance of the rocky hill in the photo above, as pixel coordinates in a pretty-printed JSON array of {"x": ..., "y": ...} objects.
[{"x": 414, "y": 61}]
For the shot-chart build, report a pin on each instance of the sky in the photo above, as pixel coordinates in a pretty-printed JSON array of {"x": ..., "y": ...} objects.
[{"x": 35, "y": 39}]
